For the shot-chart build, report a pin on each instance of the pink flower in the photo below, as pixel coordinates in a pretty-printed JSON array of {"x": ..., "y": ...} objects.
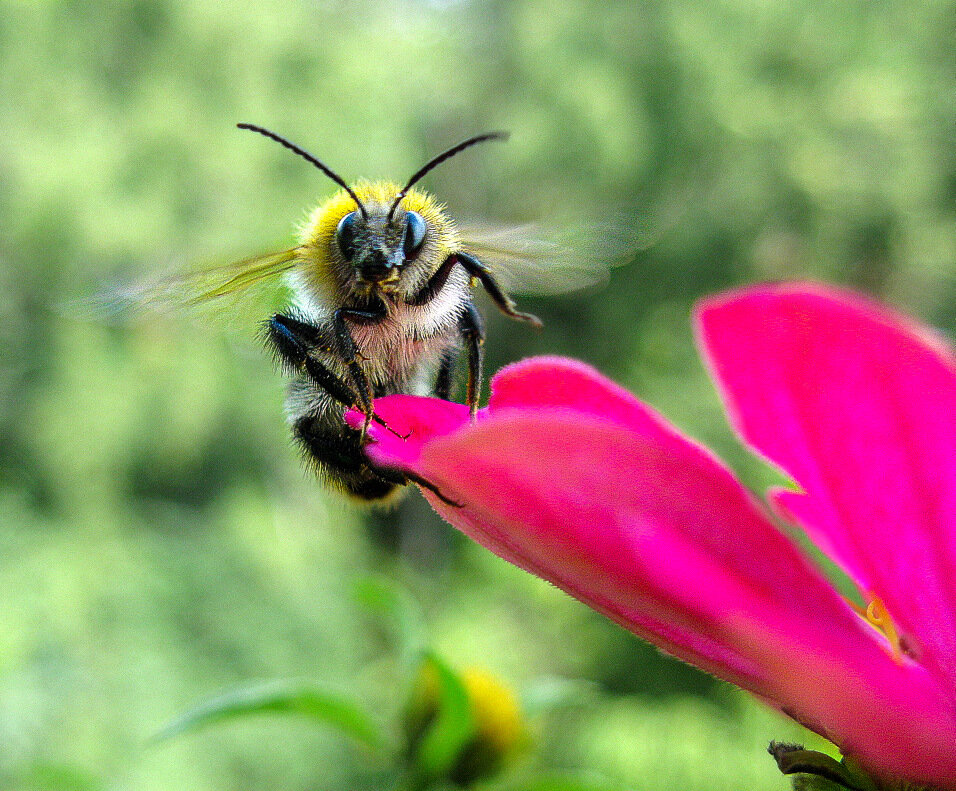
[{"x": 570, "y": 477}]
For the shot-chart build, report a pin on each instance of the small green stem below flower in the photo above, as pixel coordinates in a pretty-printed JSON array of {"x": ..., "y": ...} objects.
[{"x": 793, "y": 759}]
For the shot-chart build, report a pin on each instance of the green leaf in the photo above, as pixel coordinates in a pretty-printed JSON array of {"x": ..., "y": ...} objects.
[
  {"x": 562, "y": 782},
  {"x": 50, "y": 776},
  {"x": 279, "y": 697},
  {"x": 452, "y": 727}
]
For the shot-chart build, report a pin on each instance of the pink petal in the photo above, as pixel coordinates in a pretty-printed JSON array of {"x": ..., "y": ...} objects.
[
  {"x": 698, "y": 649},
  {"x": 858, "y": 405},
  {"x": 411, "y": 421},
  {"x": 669, "y": 538},
  {"x": 537, "y": 382},
  {"x": 652, "y": 531},
  {"x": 560, "y": 382}
]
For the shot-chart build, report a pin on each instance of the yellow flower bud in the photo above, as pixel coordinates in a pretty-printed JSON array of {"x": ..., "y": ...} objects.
[{"x": 498, "y": 728}]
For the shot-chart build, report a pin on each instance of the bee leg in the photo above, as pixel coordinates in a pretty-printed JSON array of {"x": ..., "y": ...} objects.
[
  {"x": 433, "y": 489},
  {"x": 443, "y": 379},
  {"x": 293, "y": 340},
  {"x": 339, "y": 453},
  {"x": 435, "y": 283},
  {"x": 403, "y": 478},
  {"x": 472, "y": 328},
  {"x": 350, "y": 354},
  {"x": 477, "y": 270},
  {"x": 505, "y": 304}
]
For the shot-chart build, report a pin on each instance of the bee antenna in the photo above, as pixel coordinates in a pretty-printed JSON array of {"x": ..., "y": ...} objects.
[
  {"x": 309, "y": 158},
  {"x": 441, "y": 158}
]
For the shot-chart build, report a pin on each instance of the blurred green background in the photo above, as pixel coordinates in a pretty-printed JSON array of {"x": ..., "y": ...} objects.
[{"x": 160, "y": 541}]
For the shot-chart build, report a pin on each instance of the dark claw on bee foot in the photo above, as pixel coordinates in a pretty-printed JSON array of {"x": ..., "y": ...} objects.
[
  {"x": 402, "y": 478},
  {"x": 382, "y": 422},
  {"x": 367, "y": 418}
]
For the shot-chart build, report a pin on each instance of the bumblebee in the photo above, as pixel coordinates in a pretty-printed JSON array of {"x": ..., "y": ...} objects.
[{"x": 383, "y": 305}]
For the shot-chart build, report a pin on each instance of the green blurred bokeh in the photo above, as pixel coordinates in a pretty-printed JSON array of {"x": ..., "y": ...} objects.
[{"x": 160, "y": 540}]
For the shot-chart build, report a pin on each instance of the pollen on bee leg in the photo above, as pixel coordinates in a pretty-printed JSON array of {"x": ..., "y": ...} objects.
[{"x": 877, "y": 616}]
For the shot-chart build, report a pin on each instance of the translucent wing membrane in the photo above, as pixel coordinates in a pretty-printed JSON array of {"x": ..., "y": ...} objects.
[
  {"x": 190, "y": 290},
  {"x": 535, "y": 259},
  {"x": 243, "y": 274}
]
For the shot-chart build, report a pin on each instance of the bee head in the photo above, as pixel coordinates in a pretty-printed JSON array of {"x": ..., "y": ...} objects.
[
  {"x": 379, "y": 244},
  {"x": 389, "y": 230}
]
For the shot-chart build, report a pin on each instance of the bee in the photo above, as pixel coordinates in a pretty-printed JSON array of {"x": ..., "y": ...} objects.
[{"x": 382, "y": 284}]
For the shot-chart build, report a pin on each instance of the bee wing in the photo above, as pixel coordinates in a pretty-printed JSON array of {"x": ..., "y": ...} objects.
[
  {"x": 237, "y": 277},
  {"x": 533, "y": 259},
  {"x": 205, "y": 290}
]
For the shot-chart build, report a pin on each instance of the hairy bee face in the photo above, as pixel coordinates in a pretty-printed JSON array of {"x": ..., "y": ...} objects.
[
  {"x": 379, "y": 247},
  {"x": 373, "y": 254}
]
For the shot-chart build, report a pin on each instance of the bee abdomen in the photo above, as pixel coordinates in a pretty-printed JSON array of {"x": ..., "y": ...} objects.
[{"x": 337, "y": 452}]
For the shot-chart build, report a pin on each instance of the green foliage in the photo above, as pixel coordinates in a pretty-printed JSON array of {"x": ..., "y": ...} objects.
[
  {"x": 395, "y": 607},
  {"x": 158, "y": 537},
  {"x": 547, "y": 694},
  {"x": 57, "y": 777},
  {"x": 451, "y": 727},
  {"x": 279, "y": 697},
  {"x": 452, "y": 730},
  {"x": 816, "y": 771},
  {"x": 561, "y": 783}
]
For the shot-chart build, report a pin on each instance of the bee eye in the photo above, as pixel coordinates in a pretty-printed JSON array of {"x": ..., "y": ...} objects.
[
  {"x": 345, "y": 235},
  {"x": 414, "y": 233}
]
